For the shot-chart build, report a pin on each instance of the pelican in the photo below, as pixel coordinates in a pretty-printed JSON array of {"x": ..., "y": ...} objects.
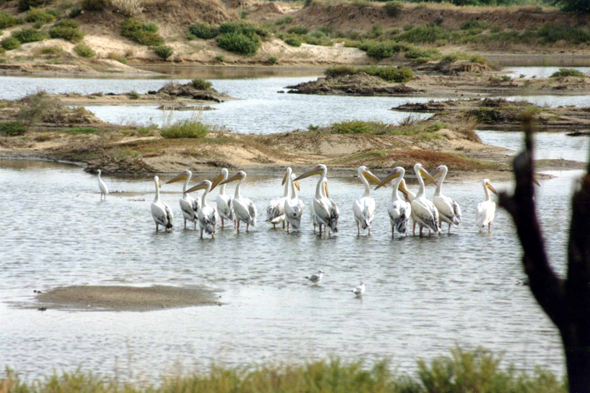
[
  {"x": 244, "y": 209},
  {"x": 317, "y": 277},
  {"x": 399, "y": 210},
  {"x": 207, "y": 215},
  {"x": 293, "y": 205},
  {"x": 486, "y": 210},
  {"x": 364, "y": 207},
  {"x": 425, "y": 213},
  {"x": 448, "y": 209},
  {"x": 161, "y": 212},
  {"x": 102, "y": 187},
  {"x": 225, "y": 206},
  {"x": 188, "y": 205},
  {"x": 358, "y": 291},
  {"x": 325, "y": 209},
  {"x": 314, "y": 217},
  {"x": 275, "y": 212}
]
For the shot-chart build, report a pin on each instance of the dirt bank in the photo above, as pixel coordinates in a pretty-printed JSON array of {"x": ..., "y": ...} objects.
[{"x": 125, "y": 298}]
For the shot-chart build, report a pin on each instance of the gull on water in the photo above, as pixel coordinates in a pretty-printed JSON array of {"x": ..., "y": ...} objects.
[
  {"x": 317, "y": 277},
  {"x": 358, "y": 291}
]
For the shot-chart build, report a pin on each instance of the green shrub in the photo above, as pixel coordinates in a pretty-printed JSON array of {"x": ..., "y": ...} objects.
[
  {"x": 360, "y": 127},
  {"x": 428, "y": 33},
  {"x": 67, "y": 29},
  {"x": 7, "y": 20},
  {"x": 25, "y": 5},
  {"x": 29, "y": 34},
  {"x": 238, "y": 43},
  {"x": 563, "y": 72},
  {"x": 382, "y": 50},
  {"x": 201, "y": 84},
  {"x": 414, "y": 52},
  {"x": 12, "y": 128},
  {"x": 134, "y": 95},
  {"x": 393, "y": 8},
  {"x": 478, "y": 59},
  {"x": 202, "y": 30},
  {"x": 293, "y": 41},
  {"x": 340, "y": 70},
  {"x": 220, "y": 58},
  {"x": 273, "y": 59},
  {"x": 164, "y": 51},
  {"x": 74, "y": 12},
  {"x": 10, "y": 43},
  {"x": 254, "y": 32},
  {"x": 141, "y": 33},
  {"x": 81, "y": 130},
  {"x": 94, "y": 5},
  {"x": 70, "y": 23},
  {"x": 574, "y": 5},
  {"x": 474, "y": 24},
  {"x": 37, "y": 15},
  {"x": 118, "y": 57},
  {"x": 390, "y": 74},
  {"x": 84, "y": 51},
  {"x": 298, "y": 30},
  {"x": 185, "y": 129},
  {"x": 52, "y": 50}
]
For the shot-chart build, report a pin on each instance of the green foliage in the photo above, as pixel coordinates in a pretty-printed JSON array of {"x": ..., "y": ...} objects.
[
  {"x": 273, "y": 59},
  {"x": 38, "y": 15},
  {"x": 134, "y": 95},
  {"x": 474, "y": 24},
  {"x": 201, "y": 84},
  {"x": 84, "y": 51},
  {"x": 25, "y": 5},
  {"x": 220, "y": 58},
  {"x": 252, "y": 31},
  {"x": 298, "y": 30},
  {"x": 29, "y": 34},
  {"x": 293, "y": 41},
  {"x": 573, "y": 5},
  {"x": 66, "y": 29},
  {"x": 436, "y": 126},
  {"x": 74, "y": 12},
  {"x": 118, "y": 57},
  {"x": 393, "y": 8},
  {"x": 360, "y": 127},
  {"x": 389, "y": 73},
  {"x": 81, "y": 130},
  {"x": 202, "y": 30},
  {"x": 94, "y": 5},
  {"x": 340, "y": 70},
  {"x": 563, "y": 72},
  {"x": 164, "y": 51},
  {"x": 382, "y": 50},
  {"x": 552, "y": 33},
  {"x": 415, "y": 52},
  {"x": 10, "y": 43},
  {"x": 7, "y": 20},
  {"x": 238, "y": 43},
  {"x": 52, "y": 50},
  {"x": 12, "y": 128},
  {"x": 185, "y": 129},
  {"x": 424, "y": 34},
  {"x": 146, "y": 33}
]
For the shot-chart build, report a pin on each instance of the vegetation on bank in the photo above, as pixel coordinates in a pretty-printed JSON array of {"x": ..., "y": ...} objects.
[
  {"x": 461, "y": 371},
  {"x": 389, "y": 73},
  {"x": 185, "y": 129},
  {"x": 142, "y": 33},
  {"x": 564, "y": 72}
]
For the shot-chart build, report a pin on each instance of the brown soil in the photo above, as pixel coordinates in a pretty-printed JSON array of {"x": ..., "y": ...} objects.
[{"x": 124, "y": 298}]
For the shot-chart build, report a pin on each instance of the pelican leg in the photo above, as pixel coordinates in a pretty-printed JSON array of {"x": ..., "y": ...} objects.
[
  {"x": 314, "y": 225},
  {"x": 489, "y": 227},
  {"x": 274, "y": 226},
  {"x": 185, "y": 223},
  {"x": 283, "y": 224},
  {"x": 156, "y": 227},
  {"x": 358, "y": 229},
  {"x": 238, "y": 225},
  {"x": 369, "y": 231},
  {"x": 420, "y": 230},
  {"x": 195, "y": 226},
  {"x": 414, "y": 229},
  {"x": 222, "y": 223},
  {"x": 247, "y": 227},
  {"x": 287, "y": 226},
  {"x": 392, "y": 231},
  {"x": 201, "y": 233},
  {"x": 449, "y": 229}
]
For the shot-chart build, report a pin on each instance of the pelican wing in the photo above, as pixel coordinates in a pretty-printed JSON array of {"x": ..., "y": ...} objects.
[
  {"x": 444, "y": 205},
  {"x": 275, "y": 212},
  {"x": 169, "y": 215},
  {"x": 425, "y": 213},
  {"x": 252, "y": 211},
  {"x": 225, "y": 206},
  {"x": 208, "y": 219},
  {"x": 399, "y": 214},
  {"x": 485, "y": 213},
  {"x": 457, "y": 210},
  {"x": 364, "y": 211},
  {"x": 187, "y": 208}
]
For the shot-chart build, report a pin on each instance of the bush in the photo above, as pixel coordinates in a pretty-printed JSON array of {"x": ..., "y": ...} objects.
[
  {"x": 146, "y": 34},
  {"x": 134, "y": 95},
  {"x": 393, "y": 8},
  {"x": 254, "y": 32},
  {"x": 185, "y": 129},
  {"x": 474, "y": 24},
  {"x": 573, "y": 5},
  {"x": 339, "y": 70},
  {"x": 66, "y": 29},
  {"x": 25, "y": 5},
  {"x": 12, "y": 128},
  {"x": 359, "y": 127},
  {"x": 37, "y": 15},
  {"x": 428, "y": 33},
  {"x": 238, "y": 43},
  {"x": 52, "y": 50},
  {"x": 298, "y": 30},
  {"x": 94, "y": 5},
  {"x": 201, "y": 84},
  {"x": 10, "y": 43},
  {"x": 164, "y": 51},
  {"x": 202, "y": 30},
  {"x": 293, "y": 41},
  {"x": 7, "y": 20},
  {"x": 563, "y": 72},
  {"x": 128, "y": 7},
  {"x": 382, "y": 50},
  {"x": 220, "y": 58},
  {"x": 75, "y": 11},
  {"x": 118, "y": 57},
  {"x": 273, "y": 59},
  {"x": 84, "y": 51},
  {"x": 29, "y": 34},
  {"x": 389, "y": 73}
]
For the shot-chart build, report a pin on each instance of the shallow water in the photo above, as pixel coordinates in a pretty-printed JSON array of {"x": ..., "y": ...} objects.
[
  {"x": 539, "y": 72},
  {"x": 423, "y": 295}
]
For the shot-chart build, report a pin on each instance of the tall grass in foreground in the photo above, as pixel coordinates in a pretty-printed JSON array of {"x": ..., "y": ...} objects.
[
  {"x": 462, "y": 371},
  {"x": 185, "y": 129}
]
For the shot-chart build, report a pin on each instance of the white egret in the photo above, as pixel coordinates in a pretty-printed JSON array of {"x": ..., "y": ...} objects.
[
  {"x": 399, "y": 210},
  {"x": 102, "y": 187},
  {"x": 225, "y": 206},
  {"x": 325, "y": 209},
  {"x": 317, "y": 277},
  {"x": 188, "y": 205},
  {"x": 207, "y": 214},
  {"x": 161, "y": 212},
  {"x": 486, "y": 210},
  {"x": 244, "y": 208},
  {"x": 449, "y": 210},
  {"x": 358, "y": 291},
  {"x": 275, "y": 212},
  {"x": 424, "y": 211},
  {"x": 364, "y": 207},
  {"x": 293, "y": 205}
]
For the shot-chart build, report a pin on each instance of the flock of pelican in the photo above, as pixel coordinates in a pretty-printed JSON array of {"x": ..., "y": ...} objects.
[{"x": 288, "y": 209}]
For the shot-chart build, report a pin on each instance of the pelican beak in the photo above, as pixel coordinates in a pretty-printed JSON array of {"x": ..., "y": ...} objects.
[
  {"x": 437, "y": 174},
  {"x": 217, "y": 181},
  {"x": 326, "y": 189},
  {"x": 159, "y": 184},
  {"x": 284, "y": 179},
  {"x": 182, "y": 176},
  {"x": 390, "y": 177},
  {"x": 201, "y": 186},
  {"x": 235, "y": 177},
  {"x": 427, "y": 176},
  {"x": 297, "y": 185},
  {"x": 403, "y": 189},
  {"x": 314, "y": 171},
  {"x": 492, "y": 189},
  {"x": 368, "y": 175},
  {"x": 536, "y": 181}
]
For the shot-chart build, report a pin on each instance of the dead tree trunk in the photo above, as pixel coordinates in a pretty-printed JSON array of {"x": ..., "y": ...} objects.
[{"x": 565, "y": 301}]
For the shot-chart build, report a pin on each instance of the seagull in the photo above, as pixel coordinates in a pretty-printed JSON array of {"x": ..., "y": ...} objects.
[
  {"x": 358, "y": 291},
  {"x": 316, "y": 278}
]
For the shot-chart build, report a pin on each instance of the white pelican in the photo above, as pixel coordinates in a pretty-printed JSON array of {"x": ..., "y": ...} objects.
[
  {"x": 448, "y": 209},
  {"x": 293, "y": 205},
  {"x": 244, "y": 209},
  {"x": 161, "y": 212},
  {"x": 325, "y": 209},
  {"x": 188, "y": 205},
  {"x": 314, "y": 217},
  {"x": 486, "y": 210},
  {"x": 102, "y": 187},
  {"x": 316, "y": 278},
  {"x": 425, "y": 213},
  {"x": 207, "y": 215},
  {"x": 399, "y": 210},
  {"x": 225, "y": 206},
  {"x": 364, "y": 207},
  {"x": 358, "y": 291},
  {"x": 275, "y": 212}
]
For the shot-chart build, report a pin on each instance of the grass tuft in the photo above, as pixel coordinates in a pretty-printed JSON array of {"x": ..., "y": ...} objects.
[
  {"x": 185, "y": 129},
  {"x": 563, "y": 72}
]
